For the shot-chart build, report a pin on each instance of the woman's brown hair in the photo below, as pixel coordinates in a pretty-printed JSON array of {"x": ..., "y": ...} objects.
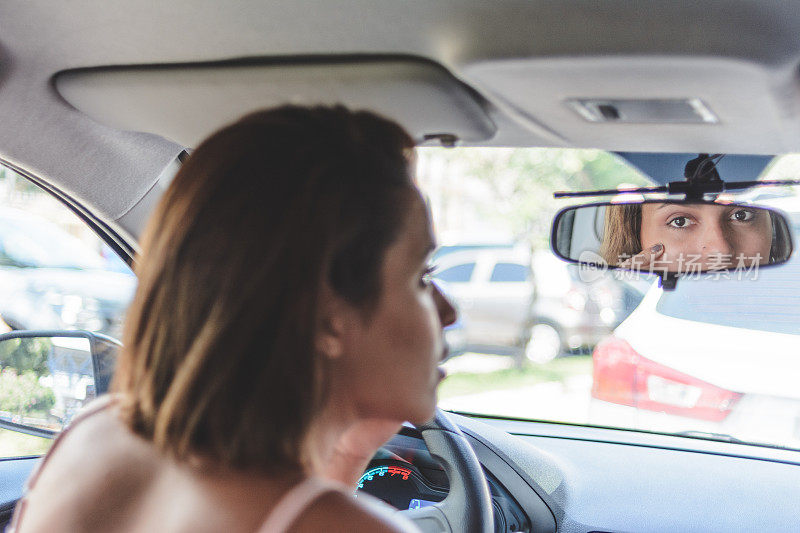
[
  {"x": 623, "y": 224},
  {"x": 219, "y": 357}
]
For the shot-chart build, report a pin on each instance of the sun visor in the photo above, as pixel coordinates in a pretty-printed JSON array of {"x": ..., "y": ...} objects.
[{"x": 187, "y": 102}]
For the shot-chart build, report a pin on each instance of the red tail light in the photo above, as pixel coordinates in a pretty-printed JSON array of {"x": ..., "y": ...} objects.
[{"x": 623, "y": 376}]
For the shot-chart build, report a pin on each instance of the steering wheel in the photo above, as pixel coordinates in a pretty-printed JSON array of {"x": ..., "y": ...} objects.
[{"x": 468, "y": 506}]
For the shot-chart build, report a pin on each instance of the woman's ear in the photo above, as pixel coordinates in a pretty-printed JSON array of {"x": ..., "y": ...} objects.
[{"x": 332, "y": 324}]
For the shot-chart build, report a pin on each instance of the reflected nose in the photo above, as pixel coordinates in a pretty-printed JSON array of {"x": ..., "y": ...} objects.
[
  {"x": 716, "y": 245},
  {"x": 447, "y": 313}
]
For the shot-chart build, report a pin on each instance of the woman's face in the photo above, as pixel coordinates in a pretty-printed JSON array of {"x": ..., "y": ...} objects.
[
  {"x": 712, "y": 236},
  {"x": 391, "y": 359}
]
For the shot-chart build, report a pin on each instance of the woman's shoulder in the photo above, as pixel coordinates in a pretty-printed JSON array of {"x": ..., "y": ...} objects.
[
  {"x": 99, "y": 436},
  {"x": 97, "y": 442},
  {"x": 98, "y": 458},
  {"x": 338, "y": 511}
]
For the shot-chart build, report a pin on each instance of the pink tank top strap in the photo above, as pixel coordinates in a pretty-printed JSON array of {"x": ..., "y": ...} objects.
[{"x": 295, "y": 501}]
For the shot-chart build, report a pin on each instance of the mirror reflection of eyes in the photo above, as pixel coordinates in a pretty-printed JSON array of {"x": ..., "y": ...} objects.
[
  {"x": 712, "y": 236},
  {"x": 743, "y": 215},
  {"x": 736, "y": 215},
  {"x": 680, "y": 222}
]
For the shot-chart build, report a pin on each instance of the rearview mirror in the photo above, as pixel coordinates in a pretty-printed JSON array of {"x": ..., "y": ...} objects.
[
  {"x": 672, "y": 238},
  {"x": 47, "y": 376}
]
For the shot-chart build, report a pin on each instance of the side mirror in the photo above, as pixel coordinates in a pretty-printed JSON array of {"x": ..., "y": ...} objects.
[
  {"x": 672, "y": 237},
  {"x": 47, "y": 376}
]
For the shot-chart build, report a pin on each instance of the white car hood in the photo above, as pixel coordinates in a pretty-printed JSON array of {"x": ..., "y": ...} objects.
[{"x": 737, "y": 359}]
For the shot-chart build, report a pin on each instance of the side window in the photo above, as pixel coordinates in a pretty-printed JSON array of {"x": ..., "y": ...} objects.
[
  {"x": 55, "y": 274},
  {"x": 456, "y": 274},
  {"x": 510, "y": 272}
]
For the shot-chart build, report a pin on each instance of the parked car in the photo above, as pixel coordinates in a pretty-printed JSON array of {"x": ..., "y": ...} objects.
[
  {"x": 571, "y": 313},
  {"x": 493, "y": 291},
  {"x": 511, "y": 302},
  {"x": 52, "y": 280}
]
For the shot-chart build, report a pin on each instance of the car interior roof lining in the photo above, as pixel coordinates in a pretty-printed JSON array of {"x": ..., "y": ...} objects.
[{"x": 523, "y": 58}]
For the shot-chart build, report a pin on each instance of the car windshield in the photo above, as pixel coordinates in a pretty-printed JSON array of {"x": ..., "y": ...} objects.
[{"x": 535, "y": 339}]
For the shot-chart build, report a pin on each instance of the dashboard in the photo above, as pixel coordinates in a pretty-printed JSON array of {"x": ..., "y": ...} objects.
[
  {"x": 405, "y": 475},
  {"x": 548, "y": 477},
  {"x": 400, "y": 485}
]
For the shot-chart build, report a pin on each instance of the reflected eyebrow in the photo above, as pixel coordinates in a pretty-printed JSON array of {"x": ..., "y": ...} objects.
[{"x": 691, "y": 207}]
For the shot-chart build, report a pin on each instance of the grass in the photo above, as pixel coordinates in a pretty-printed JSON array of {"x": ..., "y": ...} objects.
[
  {"x": 14, "y": 444},
  {"x": 464, "y": 383}
]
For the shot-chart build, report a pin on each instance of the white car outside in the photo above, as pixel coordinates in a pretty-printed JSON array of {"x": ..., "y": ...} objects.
[{"x": 682, "y": 360}]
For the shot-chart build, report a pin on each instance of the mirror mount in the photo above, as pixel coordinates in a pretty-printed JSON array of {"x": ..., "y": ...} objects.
[
  {"x": 668, "y": 280},
  {"x": 702, "y": 177}
]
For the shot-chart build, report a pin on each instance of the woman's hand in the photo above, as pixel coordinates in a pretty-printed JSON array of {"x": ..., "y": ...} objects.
[
  {"x": 356, "y": 447},
  {"x": 644, "y": 260}
]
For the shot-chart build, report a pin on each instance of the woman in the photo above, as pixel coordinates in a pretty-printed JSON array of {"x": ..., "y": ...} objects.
[
  {"x": 692, "y": 237},
  {"x": 283, "y": 327}
]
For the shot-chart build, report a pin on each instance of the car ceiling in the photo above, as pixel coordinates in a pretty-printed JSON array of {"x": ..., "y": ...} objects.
[{"x": 506, "y": 70}]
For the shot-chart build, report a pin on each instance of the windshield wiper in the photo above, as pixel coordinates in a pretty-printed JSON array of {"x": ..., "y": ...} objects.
[{"x": 707, "y": 435}]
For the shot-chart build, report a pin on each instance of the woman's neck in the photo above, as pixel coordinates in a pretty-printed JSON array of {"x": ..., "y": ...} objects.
[
  {"x": 341, "y": 443},
  {"x": 324, "y": 435}
]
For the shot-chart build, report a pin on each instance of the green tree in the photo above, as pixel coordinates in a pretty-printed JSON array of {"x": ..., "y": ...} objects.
[
  {"x": 520, "y": 182},
  {"x": 26, "y": 355}
]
